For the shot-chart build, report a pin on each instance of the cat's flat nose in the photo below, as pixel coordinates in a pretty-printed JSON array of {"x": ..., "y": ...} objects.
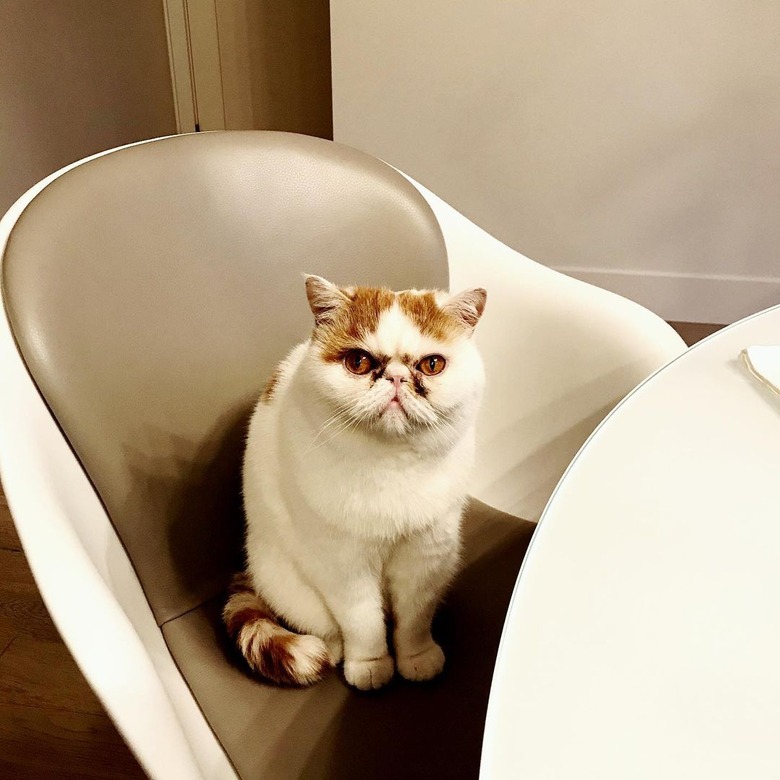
[
  {"x": 396, "y": 379},
  {"x": 396, "y": 372}
]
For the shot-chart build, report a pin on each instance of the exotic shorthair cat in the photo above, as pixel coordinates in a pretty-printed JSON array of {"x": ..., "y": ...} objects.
[{"x": 354, "y": 480}]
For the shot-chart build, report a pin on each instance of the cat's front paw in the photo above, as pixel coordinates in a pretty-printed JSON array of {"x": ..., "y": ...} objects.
[
  {"x": 369, "y": 675},
  {"x": 424, "y": 665}
]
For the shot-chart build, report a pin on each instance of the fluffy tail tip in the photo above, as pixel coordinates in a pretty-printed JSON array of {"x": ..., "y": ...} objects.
[
  {"x": 270, "y": 649},
  {"x": 310, "y": 660}
]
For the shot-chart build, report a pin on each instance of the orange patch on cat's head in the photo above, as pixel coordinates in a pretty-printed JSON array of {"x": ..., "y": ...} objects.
[
  {"x": 354, "y": 319},
  {"x": 345, "y": 316},
  {"x": 430, "y": 318}
]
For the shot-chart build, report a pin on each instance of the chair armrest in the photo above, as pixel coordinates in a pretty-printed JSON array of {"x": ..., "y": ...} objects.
[{"x": 559, "y": 354}]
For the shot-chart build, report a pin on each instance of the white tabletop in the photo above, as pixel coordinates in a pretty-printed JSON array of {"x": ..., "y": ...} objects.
[{"x": 643, "y": 637}]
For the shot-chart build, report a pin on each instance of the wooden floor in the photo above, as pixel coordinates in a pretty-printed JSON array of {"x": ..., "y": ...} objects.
[
  {"x": 51, "y": 724},
  {"x": 692, "y": 332}
]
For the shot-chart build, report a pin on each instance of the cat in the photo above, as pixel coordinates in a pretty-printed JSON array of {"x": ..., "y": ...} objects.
[{"x": 354, "y": 475}]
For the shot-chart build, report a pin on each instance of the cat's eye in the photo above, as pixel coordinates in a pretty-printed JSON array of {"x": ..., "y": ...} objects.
[
  {"x": 358, "y": 362},
  {"x": 431, "y": 365}
]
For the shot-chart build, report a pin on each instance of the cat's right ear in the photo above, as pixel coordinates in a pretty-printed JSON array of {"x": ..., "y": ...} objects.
[{"x": 324, "y": 298}]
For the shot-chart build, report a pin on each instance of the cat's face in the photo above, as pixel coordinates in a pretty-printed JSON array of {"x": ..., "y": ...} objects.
[{"x": 396, "y": 363}]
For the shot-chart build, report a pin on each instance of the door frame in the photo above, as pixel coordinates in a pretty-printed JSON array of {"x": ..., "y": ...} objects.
[{"x": 196, "y": 64}]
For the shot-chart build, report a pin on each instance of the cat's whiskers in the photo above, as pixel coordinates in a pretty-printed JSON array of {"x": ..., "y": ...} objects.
[
  {"x": 328, "y": 422},
  {"x": 351, "y": 422},
  {"x": 422, "y": 412},
  {"x": 442, "y": 424},
  {"x": 349, "y": 419},
  {"x": 337, "y": 416}
]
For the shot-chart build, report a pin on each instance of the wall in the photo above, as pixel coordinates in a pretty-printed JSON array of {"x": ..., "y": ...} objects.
[
  {"x": 78, "y": 77},
  {"x": 634, "y": 144}
]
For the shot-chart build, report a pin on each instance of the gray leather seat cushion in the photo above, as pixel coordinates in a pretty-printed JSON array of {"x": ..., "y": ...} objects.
[{"x": 408, "y": 730}]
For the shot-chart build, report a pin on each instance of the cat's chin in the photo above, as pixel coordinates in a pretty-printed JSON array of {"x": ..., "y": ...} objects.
[
  {"x": 397, "y": 424},
  {"x": 394, "y": 421}
]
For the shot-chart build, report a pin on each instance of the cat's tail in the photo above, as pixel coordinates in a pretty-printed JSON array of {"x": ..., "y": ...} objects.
[{"x": 270, "y": 649}]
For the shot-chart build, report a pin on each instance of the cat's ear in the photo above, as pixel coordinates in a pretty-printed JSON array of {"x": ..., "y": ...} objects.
[
  {"x": 324, "y": 298},
  {"x": 467, "y": 306}
]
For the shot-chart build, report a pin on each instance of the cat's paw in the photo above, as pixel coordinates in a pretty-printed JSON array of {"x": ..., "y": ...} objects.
[
  {"x": 424, "y": 665},
  {"x": 369, "y": 675}
]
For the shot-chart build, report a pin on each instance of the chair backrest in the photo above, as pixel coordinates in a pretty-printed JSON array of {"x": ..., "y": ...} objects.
[{"x": 152, "y": 291}]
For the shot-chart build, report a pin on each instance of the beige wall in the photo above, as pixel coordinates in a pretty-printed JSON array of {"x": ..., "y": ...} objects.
[
  {"x": 77, "y": 77},
  {"x": 635, "y": 143}
]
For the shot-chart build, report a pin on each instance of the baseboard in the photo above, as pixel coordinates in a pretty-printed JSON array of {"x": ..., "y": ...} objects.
[{"x": 687, "y": 297}]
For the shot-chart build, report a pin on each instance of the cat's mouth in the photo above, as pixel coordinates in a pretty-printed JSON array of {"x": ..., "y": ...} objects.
[{"x": 394, "y": 406}]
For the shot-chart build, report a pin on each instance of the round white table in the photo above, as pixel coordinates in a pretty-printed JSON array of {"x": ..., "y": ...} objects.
[{"x": 643, "y": 637}]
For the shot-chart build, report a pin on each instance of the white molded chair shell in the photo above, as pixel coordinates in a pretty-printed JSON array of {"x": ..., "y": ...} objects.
[{"x": 559, "y": 355}]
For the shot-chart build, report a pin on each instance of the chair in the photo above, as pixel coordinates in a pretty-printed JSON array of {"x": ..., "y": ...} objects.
[{"x": 148, "y": 292}]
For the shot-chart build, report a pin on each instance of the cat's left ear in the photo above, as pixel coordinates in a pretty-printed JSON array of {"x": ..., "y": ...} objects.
[
  {"x": 324, "y": 298},
  {"x": 467, "y": 306}
]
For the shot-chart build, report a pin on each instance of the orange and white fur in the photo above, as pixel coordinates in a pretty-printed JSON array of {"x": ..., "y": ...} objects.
[{"x": 357, "y": 459}]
